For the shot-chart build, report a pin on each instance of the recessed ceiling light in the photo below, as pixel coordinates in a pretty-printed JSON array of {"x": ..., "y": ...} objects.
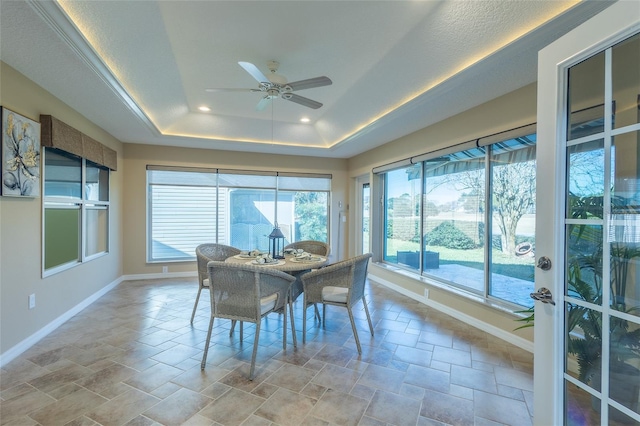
[
  {"x": 204, "y": 109},
  {"x": 305, "y": 120}
]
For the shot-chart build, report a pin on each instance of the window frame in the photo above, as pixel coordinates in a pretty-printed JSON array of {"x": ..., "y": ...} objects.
[
  {"x": 486, "y": 294},
  {"x": 224, "y": 193},
  {"x": 83, "y": 204}
]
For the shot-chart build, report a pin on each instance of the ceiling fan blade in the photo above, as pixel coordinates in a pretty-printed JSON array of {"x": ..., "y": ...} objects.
[
  {"x": 230, "y": 90},
  {"x": 303, "y": 101},
  {"x": 310, "y": 83},
  {"x": 254, "y": 71},
  {"x": 262, "y": 103}
]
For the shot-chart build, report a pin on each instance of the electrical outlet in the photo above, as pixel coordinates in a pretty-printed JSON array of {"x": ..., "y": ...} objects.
[
  {"x": 32, "y": 301},
  {"x": 426, "y": 293},
  {"x": 165, "y": 269}
]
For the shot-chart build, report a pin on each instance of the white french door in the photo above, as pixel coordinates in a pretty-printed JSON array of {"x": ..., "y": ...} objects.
[{"x": 587, "y": 344}]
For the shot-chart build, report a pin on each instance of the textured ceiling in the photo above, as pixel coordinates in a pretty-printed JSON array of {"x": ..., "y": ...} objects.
[{"x": 139, "y": 69}]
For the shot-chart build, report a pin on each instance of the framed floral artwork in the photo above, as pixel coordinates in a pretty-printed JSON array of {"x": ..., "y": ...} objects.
[{"x": 20, "y": 155}]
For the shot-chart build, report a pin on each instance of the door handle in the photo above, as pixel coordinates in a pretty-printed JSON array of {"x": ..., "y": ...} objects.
[{"x": 543, "y": 295}]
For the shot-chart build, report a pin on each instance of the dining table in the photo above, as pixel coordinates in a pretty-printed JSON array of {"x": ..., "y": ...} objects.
[{"x": 291, "y": 264}]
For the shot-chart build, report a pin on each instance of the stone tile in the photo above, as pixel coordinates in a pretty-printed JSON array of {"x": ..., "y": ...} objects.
[
  {"x": 340, "y": 408},
  {"x": 165, "y": 390},
  {"x": 107, "y": 382},
  {"x": 411, "y": 391},
  {"x": 369, "y": 421},
  {"x": 285, "y": 407},
  {"x": 452, "y": 356},
  {"x": 199, "y": 420},
  {"x": 514, "y": 378},
  {"x": 133, "y": 358},
  {"x": 428, "y": 378},
  {"x": 142, "y": 421},
  {"x": 177, "y": 407},
  {"x": 82, "y": 421},
  {"x": 447, "y": 409},
  {"x": 265, "y": 390},
  {"x": 292, "y": 377},
  {"x": 382, "y": 378},
  {"x": 19, "y": 371},
  {"x": 474, "y": 379},
  {"x": 401, "y": 338},
  {"x": 337, "y": 355},
  {"x": 25, "y": 400},
  {"x": 337, "y": 378},
  {"x": 55, "y": 379},
  {"x": 436, "y": 339},
  {"x": 68, "y": 408},
  {"x": 158, "y": 337},
  {"x": 313, "y": 390},
  {"x": 253, "y": 421},
  {"x": 232, "y": 408},
  {"x": 413, "y": 356},
  {"x": 176, "y": 354},
  {"x": 393, "y": 408},
  {"x": 312, "y": 421},
  {"x": 153, "y": 377},
  {"x": 500, "y": 409},
  {"x": 197, "y": 379},
  {"x": 123, "y": 408}
]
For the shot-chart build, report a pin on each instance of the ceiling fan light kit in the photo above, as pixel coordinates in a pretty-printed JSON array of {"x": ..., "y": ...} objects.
[{"x": 276, "y": 85}]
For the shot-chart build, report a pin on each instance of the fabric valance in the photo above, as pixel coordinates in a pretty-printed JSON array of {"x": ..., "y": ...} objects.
[{"x": 59, "y": 135}]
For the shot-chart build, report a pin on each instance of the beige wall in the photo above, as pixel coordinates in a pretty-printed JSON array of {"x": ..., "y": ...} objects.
[
  {"x": 515, "y": 109},
  {"x": 137, "y": 157},
  {"x": 21, "y": 231}
]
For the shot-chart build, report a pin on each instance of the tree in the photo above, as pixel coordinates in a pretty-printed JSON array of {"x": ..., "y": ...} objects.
[
  {"x": 311, "y": 216},
  {"x": 514, "y": 195}
]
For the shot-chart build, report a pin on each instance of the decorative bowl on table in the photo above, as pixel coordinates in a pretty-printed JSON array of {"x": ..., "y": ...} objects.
[
  {"x": 245, "y": 254},
  {"x": 264, "y": 259}
]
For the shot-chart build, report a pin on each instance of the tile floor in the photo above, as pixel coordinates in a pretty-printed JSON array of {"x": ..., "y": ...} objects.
[{"x": 132, "y": 358}]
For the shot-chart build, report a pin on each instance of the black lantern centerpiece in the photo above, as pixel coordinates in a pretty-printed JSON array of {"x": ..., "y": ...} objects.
[{"x": 276, "y": 242}]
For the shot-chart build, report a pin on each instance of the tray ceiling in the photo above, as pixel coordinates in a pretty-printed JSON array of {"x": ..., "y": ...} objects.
[{"x": 139, "y": 69}]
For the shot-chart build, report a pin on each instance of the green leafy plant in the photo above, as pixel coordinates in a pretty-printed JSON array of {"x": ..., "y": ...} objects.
[
  {"x": 584, "y": 282},
  {"x": 447, "y": 235},
  {"x": 528, "y": 320}
]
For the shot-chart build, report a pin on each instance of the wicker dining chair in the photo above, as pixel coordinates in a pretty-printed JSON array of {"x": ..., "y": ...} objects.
[
  {"x": 311, "y": 246},
  {"x": 204, "y": 254},
  {"x": 341, "y": 284},
  {"x": 247, "y": 293}
]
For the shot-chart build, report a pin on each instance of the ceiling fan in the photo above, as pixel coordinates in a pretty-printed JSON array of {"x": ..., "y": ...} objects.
[{"x": 276, "y": 86}]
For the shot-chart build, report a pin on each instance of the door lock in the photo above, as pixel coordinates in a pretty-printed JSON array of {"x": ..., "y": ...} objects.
[{"x": 544, "y": 263}]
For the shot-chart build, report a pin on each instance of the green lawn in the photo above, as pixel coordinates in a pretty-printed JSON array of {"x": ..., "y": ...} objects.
[{"x": 503, "y": 264}]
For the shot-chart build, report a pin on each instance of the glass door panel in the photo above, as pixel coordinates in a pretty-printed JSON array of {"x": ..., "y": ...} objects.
[
  {"x": 625, "y": 81},
  {"x": 365, "y": 200},
  {"x": 585, "y": 109},
  {"x": 602, "y": 249}
]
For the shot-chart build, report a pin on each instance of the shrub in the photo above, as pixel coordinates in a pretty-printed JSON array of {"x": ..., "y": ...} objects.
[{"x": 447, "y": 235}]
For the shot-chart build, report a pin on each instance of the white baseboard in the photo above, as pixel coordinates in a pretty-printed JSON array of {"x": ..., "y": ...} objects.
[
  {"x": 21, "y": 347},
  {"x": 467, "y": 319},
  {"x": 159, "y": 276}
]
